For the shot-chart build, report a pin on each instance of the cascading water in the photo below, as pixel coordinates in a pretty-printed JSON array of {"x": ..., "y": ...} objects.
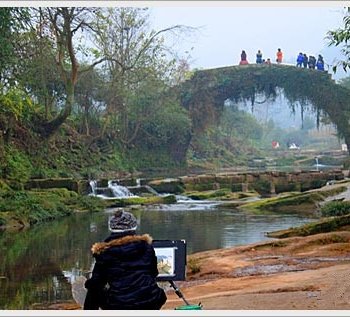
[
  {"x": 119, "y": 191},
  {"x": 114, "y": 190},
  {"x": 93, "y": 186}
]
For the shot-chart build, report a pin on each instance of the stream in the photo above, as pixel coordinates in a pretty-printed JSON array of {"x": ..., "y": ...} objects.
[{"x": 38, "y": 266}]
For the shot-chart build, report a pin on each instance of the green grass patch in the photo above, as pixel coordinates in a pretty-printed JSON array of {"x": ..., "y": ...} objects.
[
  {"x": 322, "y": 226},
  {"x": 210, "y": 194},
  {"x": 335, "y": 208},
  {"x": 292, "y": 202}
]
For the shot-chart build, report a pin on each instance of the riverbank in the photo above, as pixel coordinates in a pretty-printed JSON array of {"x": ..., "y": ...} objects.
[
  {"x": 293, "y": 273},
  {"x": 298, "y": 273}
]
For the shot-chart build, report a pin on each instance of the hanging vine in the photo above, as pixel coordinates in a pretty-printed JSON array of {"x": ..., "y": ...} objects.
[{"x": 205, "y": 93}]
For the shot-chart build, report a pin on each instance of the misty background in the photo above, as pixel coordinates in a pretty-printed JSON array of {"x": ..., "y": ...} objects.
[{"x": 224, "y": 30}]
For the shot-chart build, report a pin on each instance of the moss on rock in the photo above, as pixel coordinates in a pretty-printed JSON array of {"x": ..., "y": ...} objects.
[
  {"x": 293, "y": 202},
  {"x": 20, "y": 209},
  {"x": 324, "y": 225}
]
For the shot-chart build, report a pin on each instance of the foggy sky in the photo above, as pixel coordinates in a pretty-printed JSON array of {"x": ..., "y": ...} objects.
[{"x": 226, "y": 29}]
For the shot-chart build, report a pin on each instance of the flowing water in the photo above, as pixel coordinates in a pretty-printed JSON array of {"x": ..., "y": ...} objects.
[{"x": 38, "y": 266}]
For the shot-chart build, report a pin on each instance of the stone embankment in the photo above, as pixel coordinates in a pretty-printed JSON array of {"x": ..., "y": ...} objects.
[
  {"x": 78, "y": 186},
  {"x": 265, "y": 183}
]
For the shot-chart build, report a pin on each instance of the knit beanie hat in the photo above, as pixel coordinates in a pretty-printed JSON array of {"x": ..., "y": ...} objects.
[{"x": 122, "y": 221}]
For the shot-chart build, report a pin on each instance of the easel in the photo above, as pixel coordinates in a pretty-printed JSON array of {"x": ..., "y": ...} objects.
[
  {"x": 178, "y": 292},
  {"x": 188, "y": 306}
]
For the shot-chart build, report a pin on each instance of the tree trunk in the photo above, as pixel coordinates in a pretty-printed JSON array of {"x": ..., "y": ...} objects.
[{"x": 49, "y": 128}]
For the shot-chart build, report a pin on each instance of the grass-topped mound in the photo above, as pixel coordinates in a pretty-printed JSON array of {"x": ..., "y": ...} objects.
[
  {"x": 20, "y": 209},
  {"x": 293, "y": 202},
  {"x": 324, "y": 225}
]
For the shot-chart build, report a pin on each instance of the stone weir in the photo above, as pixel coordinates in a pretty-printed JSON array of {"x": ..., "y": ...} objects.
[{"x": 265, "y": 183}]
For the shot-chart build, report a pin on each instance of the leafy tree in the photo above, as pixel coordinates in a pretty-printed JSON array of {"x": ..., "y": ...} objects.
[
  {"x": 90, "y": 101},
  {"x": 12, "y": 22},
  {"x": 15, "y": 106},
  {"x": 137, "y": 64},
  {"x": 38, "y": 73},
  {"x": 61, "y": 25},
  {"x": 345, "y": 82},
  {"x": 238, "y": 122},
  {"x": 341, "y": 36}
]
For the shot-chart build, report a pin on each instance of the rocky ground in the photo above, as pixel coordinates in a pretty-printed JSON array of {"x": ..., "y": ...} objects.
[
  {"x": 298, "y": 273},
  {"x": 288, "y": 274}
]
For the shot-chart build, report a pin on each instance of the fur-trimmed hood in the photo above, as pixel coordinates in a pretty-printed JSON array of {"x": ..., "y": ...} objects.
[{"x": 100, "y": 247}]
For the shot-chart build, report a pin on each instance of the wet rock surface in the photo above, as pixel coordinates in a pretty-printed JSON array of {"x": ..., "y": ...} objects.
[{"x": 299, "y": 274}]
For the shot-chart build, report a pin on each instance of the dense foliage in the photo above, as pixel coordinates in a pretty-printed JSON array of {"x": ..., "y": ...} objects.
[
  {"x": 206, "y": 93},
  {"x": 92, "y": 93},
  {"x": 25, "y": 208},
  {"x": 85, "y": 91},
  {"x": 341, "y": 37},
  {"x": 335, "y": 208}
]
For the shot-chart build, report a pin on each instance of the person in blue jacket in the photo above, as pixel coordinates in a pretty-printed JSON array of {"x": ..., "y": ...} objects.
[
  {"x": 125, "y": 271},
  {"x": 320, "y": 63},
  {"x": 300, "y": 59}
]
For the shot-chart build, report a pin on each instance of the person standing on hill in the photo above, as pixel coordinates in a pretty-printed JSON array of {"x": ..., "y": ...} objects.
[
  {"x": 259, "y": 59},
  {"x": 300, "y": 59},
  {"x": 305, "y": 60},
  {"x": 125, "y": 271},
  {"x": 320, "y": 63},
  {"x": 243, "y": 58},
  {"x": 312, "y": 62},
  {"x": 279, "y": 55}
]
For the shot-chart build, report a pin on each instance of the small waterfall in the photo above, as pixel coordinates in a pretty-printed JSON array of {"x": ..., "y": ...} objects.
[
  {"x": 114, "y": 190},
  {"x": 151, "y": 190},
  {"x": 93, "y": 185},
  {"x": 318, "y": 165},
  {"x": 119, "y": 191}
]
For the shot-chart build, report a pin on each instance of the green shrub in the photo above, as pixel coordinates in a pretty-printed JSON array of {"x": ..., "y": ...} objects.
[
  {"x": 86, "y": 203},
  {"x": 335, "y": 208},
  {"x": 17, "y": 169}
]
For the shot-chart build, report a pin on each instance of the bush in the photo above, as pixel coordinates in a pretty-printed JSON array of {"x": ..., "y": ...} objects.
[
  {"x": 17, "y": 167},
  {"x": 335, "y": 208},
  {"x": 194, "y": 265}
]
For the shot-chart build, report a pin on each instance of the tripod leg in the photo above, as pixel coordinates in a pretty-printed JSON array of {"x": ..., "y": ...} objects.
[{"x": 178, "y": 292}]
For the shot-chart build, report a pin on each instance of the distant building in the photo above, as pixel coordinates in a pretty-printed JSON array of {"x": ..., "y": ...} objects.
[
  {"x": 293, "y": 146},
  {"x": 275, "y": 144}
]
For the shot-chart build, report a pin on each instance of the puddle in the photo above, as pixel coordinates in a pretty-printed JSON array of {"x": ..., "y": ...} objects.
[
  {"x": 294, "y": 265},
  {"x": 265, "y": 269}
]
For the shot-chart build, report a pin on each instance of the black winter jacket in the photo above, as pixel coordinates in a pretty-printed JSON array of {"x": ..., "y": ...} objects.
[{"x": 124, "y": 275}]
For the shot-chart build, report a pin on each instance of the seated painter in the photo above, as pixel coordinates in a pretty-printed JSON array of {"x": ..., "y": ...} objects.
[{"x": 124, "y": 275}]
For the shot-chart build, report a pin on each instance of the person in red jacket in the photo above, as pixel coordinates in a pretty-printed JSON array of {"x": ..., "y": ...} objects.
[
  {"x": 279, "y": 55},
  {"x": 243, "y": 58}
]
